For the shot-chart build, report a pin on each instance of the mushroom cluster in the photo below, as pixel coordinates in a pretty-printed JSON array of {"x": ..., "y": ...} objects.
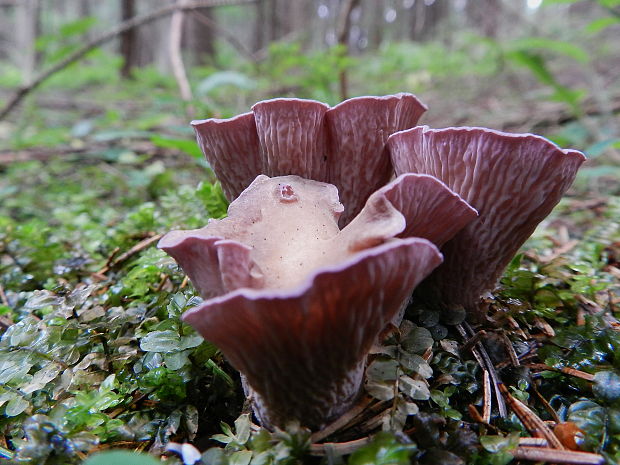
[{"x": 299, "y": 286}]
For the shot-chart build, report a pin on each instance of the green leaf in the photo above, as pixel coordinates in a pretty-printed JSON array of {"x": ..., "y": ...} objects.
[
  {"x": 77, "y": 27},
  {"x": 242, "y": 428},
  {"x": 191, "y": 341},
  {"x": 186, "y": 146},
  {"x": 213, "y": 199},
  {"x": 416, "y": 389},
  {"x": 591, "y": 418},
  {"x": 241, "y": 457},
  {"x": 383, "y": 450},
  {"x": 161, "y": 341},
  {"x": 380, "y": 390},
  {"x": 214, "y": 456},
  {"x": 383, "y": 370},
  {"x": 414, "y": 363},
  {"x": 557, "y": 46},
  {"x": 16, "y": 406},
  {"x": 498, "y": 444},
  {"x": 555, "y": 2},
  {"x": 217, "y": 371},
  {"x": 600, "y": 147},
  {"x": 225, "y": 78},
  {"x": 602, "y": 23},
  {"x": 121, "y": 457},
  {"x": 607, "y": 386},
  {"x": 418, "y": 340}
]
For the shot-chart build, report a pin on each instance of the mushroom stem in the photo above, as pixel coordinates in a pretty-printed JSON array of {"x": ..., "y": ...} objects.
[{"x": 295, "y": 303}]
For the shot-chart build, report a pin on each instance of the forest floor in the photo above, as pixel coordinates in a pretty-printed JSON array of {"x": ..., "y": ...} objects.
[{"x": 94, "y": 356}]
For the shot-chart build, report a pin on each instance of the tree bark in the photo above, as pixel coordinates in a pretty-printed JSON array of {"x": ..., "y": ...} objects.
[
  {"x": 373, "y": 9},
  {"x": 28, "y": 26},
  {"x": 426, "y": 18},
  {"x": 198, "y": 38},
  {"x": 174, "y": 51},
  {"x": 484, "y": 15},
  {"x": 259, "y": 26},
  {"x": 128, "y": 39}
]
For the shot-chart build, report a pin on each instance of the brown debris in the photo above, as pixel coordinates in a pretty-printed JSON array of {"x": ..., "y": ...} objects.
[
  {"x": 569, "y": 434},
  {"x": 565, "y": 370},
  {"x": 544, "y": 454},
  {"x": 139, "y": 247},
  {"x": 532, "y": 422},
  {"x": 338, "y": 448}
]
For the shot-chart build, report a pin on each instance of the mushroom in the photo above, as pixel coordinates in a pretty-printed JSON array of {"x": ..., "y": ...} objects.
[
  {"x": 513, "y": 180},
  {"x": 343, "y": 145},
  {"x": 295, "y": 303}
]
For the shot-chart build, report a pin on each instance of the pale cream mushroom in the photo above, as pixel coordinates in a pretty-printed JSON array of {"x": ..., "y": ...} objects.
[{"x": 295, "y": 303}]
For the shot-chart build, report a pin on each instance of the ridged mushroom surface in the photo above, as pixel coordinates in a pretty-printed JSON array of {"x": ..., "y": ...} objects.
[
  {"x": 513, "y": 180},
  {"x": 343, "y": 145},
  {"x": 294, "y": 302}
]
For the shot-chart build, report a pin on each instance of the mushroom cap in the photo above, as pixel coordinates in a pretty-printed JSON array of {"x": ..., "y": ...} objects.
[
  {"x": 303, "y": 350},
  {"x": 280, "y": 229},
  {"x": 343, "y": 145},
  {"x": 513, "y": 180},
  {"x": 294, "y": 302}
]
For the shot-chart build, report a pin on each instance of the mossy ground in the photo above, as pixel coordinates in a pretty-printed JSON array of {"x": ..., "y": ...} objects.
[{"x": 93, "y": 354}]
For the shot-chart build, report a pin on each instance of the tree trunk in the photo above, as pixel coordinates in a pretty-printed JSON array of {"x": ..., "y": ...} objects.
[
  {"x": 426, "y": 17},
  {"x": 128, "y": 39},
  {"x": 28, "y": 26},
  {"x": 274, "y": 21},
  {"x": 198, "y": 37},
  {"x": 373, "y": 9},
  {"x": 259, "y": 26},
  {"x": 484, "y": 15}
]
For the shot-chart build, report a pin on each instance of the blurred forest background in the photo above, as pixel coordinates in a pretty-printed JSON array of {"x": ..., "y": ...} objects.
[{"x": 519, "y": 65}]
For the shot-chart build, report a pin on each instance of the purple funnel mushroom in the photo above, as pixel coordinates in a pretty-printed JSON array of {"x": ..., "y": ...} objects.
[
  {"x": 295, "y": 303},
  {"x": 343, "y": 145},
  {"x": 513, "y": 180}
]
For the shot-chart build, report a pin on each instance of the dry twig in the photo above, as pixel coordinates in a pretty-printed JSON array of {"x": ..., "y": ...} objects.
[
  {"x": 231, "y": 38},
  {"x": 530, "y": 420},
  {"x": 343, "y": 421},
  {"x": 486, "y": 401},
  {"x": 544, "y": 454},
  {"x": 485, "y": 363},
  {"x": 3, "y": 298},
  {"x": 565, "y": 370},
  {"x": 338, "y": 448},
  {"x": 139, "y": 247}
]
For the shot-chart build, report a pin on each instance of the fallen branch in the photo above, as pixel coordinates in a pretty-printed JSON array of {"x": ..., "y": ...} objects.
[
  {"x": 94, "y": 150},
  {"x": 557, "y": 114},
  {"x": 103, "y": 38},
  {"x": 544, "y": 454}
]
